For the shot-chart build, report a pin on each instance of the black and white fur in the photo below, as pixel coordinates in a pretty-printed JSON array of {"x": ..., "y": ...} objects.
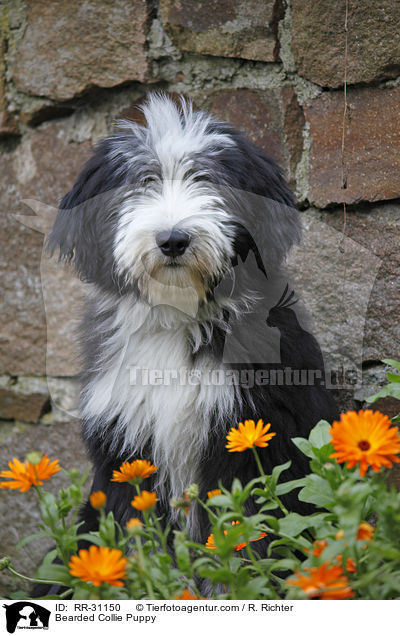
[{"x": 205, "y": 309}]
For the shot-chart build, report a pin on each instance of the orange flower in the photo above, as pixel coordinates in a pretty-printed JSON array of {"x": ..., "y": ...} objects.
[
  {"x": 134, "y": 523},
  {"x": 211, "y": 540},
  {"x": 144, "y": 501},
  {"x": 134, "y": 471},
  {"x": 25, "y": 475},
  {"x": 327, "y": 582},
  {"x": 248, "y": 435},
  {"x": 365, "y": 438},
  {"x": 350, "y": 563},
  {"x": 186, "y": 596},
  {"x": 98, "y": 499},
  {"x": 99, "y": 565},
  {"x": 365, "y": 532},
  {"x": 319, "y": 547},
  {"x": 214, "y": 493}
]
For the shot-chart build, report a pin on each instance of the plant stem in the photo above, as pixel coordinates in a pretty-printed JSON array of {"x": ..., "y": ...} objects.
[
  {"x": 32, "y": 580},
  {"x": 147, "y": 581},
  {"x": 272, "y": 496},
  {"x": 258, "y": 462}
]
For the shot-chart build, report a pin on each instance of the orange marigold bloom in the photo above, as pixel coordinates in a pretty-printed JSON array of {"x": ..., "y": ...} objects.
[
  {"x": 134, "y": 471},
  {"x": 186, "y": 596},
  {"x": 99, "y": 565},
  {"x": 327, "y": 582},
  {"x": 98, "y": 499},
  {"x": 318, "y": 547},
  {"x": 145, "y": 500},
  {"x": 24, "y": 474},
  {"x": 350, "y": 563},
  {"x": 210, "y": 543},
  {"x": 248, "y": 435},
  {"x": 365, "y": 532},
  {"x": 214, "y": 493},
  {"x": 134, "y": 523},
  {"x": 365, "y": 438},
  {"x": 211, "y": 540}
]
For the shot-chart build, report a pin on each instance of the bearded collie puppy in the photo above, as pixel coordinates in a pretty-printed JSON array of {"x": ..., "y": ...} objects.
[{"x": 180, "y": 228}]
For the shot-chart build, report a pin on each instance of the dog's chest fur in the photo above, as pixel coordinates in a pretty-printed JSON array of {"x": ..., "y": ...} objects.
[{"x": 160, "y": 392}]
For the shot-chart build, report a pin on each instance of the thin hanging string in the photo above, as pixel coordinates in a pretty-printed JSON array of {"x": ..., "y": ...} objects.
[{"x": 345, "y": 112}]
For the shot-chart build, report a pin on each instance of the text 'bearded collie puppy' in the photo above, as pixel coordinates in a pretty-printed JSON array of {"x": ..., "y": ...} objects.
[{"x": 180, "y": 229}]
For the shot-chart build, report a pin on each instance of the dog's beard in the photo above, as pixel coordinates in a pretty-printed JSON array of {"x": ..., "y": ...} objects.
[{"x": 180, "y": 285}]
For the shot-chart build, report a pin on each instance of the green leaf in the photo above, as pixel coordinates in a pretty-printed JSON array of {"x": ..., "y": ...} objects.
[
  {"x": 393, "y": 377},
  {"x": 278, "y": 470},
  {"x": 316, "y": 491},
  {"x": 255, "y": 588},
  {"x": 49, "y": 557},
  {"x": 323, "y": 454},
  {"x": 220, "y": 501},
  {"x": 205, "y": 562},
  {"x": 303, "y": 445},
  {"x": 54, "y": 572},
  {"x": 284, "y": 564},
  {"x": 390, "y": 390},
  {"x": 392, "y": 363},
  {"x": 93, "y": 538},
  {"x": 182, "y": 556},
  {"x": 220, "y": 575},
  {"x": 236, "y": 485},
  {"x": 32, "y": 537},
  {"x": 49, "y": 509},
  {"x": 288, "y": 486},
  {"x": 270, "y": 505},
  {"x": 320, "y": 434},
  {"x": 293, "y": 524}
]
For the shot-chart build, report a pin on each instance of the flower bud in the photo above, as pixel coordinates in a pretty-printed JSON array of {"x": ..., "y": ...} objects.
[
  {"x": 4, "y": 563},
  {"x": 192, "y": 491},
  {"x": 34, "y": 457}
]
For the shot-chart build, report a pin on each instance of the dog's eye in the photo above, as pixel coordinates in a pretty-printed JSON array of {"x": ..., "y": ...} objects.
[
  {"x": 197, "y": 178},
  {"x": 147, "y": 181}
]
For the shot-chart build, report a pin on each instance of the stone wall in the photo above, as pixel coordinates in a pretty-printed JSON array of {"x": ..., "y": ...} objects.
[{"x": 276, "y": 70}]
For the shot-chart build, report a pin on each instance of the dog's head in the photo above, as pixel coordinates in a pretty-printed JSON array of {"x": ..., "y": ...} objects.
[{"x": 169, "y": 207}]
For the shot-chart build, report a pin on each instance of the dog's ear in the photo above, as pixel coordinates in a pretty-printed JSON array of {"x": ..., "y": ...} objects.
[
  {"x": 84, "y": 221},
  {"x": 268, "y": 206},
  {"x": 262, "y": 198}
]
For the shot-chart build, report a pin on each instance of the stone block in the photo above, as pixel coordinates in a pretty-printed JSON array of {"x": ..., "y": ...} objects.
[
  {"x": 371, "y": 157},
  {"x": 246, "y": 29},
  {"x": 272, "y": 119},
  {"x": 68, "y": 48},
  {"x": 350, "y": 283},
  {"x": 8, "y": 125},
  {"x": 23, "y": 399},
  {"x": 318, "y": 41},
  {"x": 37, "y": 292}
]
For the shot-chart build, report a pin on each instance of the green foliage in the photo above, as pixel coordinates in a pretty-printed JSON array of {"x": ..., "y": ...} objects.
[
  {"x": 392, "y": 389},
  {"x": 241, "y": 563}
]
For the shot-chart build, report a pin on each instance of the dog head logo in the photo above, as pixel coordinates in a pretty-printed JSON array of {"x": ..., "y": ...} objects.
[{"x": 26, "y": 615}]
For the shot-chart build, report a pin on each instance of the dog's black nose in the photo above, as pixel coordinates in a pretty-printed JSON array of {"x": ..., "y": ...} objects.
[{"x": 173, "y": 243}]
